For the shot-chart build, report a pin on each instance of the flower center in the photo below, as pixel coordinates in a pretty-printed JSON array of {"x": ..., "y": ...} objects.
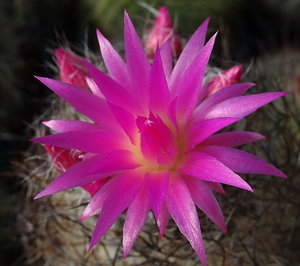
[{"x": 158, "y": 147}]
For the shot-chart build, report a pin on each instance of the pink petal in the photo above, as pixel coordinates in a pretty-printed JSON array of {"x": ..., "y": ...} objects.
[
  {"x": 126, "y": 121},
  {"x": 188, "y": 54},
  {"x": 168, "y": 159},
  {"x": 101, "y": 141},
  {"x": 95, "y": 205},
  {"x": 159, "y": 95},
  {"x": 149, "y": 147},
  {"x": 84, "y": 102},
  {"x": 73, "y": 177},
  {"x": 113, "y": 91},
  {"x": 156, "y": 186},
  {"x": 207, "y": 168},
  {"x": 119, "y": 198},
  {"x": 165, "y": 137},
  {"x": 136, "y": 217},
  {"x": 205, "y": 200},
  {"x": 205, "y": 128},
  {"x": 203, "y": 92},
  {"x": 187, "y": 89},
  {"x": 116, "y": 161},
  {"x": 115, "y": 65},
  {"x": 242, "y": 105},
  {"x": 91, "y": 169},
  {"x": 70, "y": 125},
  {"x": 216, "y": 187},
  {"x": 163, "y": 219},
  {"x": 220, "y": 96},
  {"x": 183, "y": 211},
  {"x": 172, "y": 115},
  {"x": 166, "y": 58},
  {"x": 137, "y": 62},
  {"x": 231, "y": 139},
  {"x": 241, "y": 162},
  {"x": 94, "y": 88}
]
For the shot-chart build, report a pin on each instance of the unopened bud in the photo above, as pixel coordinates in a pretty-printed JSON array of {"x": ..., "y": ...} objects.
[
  {"x": 162, "y": 30},
  {"x": 72, "y": 69},
  {"x": 229, "y": 77}
]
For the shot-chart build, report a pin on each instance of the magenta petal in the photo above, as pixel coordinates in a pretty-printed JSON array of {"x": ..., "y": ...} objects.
[
  {"x": 155, "y": 128},
  {"x": 231, "y": 139},
  {"x": 188, "y": 54},
  {"x": 208, "y": 168},
  {"x": 221, "y": 96},
  {"x": 113, "y": 91},
  {"x": 95, "y": 205},
  {"x": 168, "y": 159},
  {"x": 101, "y": 141},
  {"x": 84, "y": 102},
  {"x": 205, "y": 128},
  {"x": 172, "y": 114},
  {"x": 156, "y": 185},
  {"x": 205, "y": 200},
  {"x": 241, "y": 162},
  {"x": 119, "y": 198},
  {"x": 163, "y": 219},
  {"x": 183, "y": 211},
  {"x": 126, "y": 120},
  {"x": 187, "y": 89},
  {"x": 149, "y": 147},
  {"x": 94, "y": 88},
  {"x": 215, "y": 186},
  {"x": 137, "y": 62},
  {"x": 118, "y": 160},
  {"x": 166, "y": 58},
  {"x": 136, "y": 217},
  {"x": 242, "y": 105},
  {"x": 115, "y": 65},
  {"x": 159, "y": 95},
  {"x": 70, "y": 125},
  {"x": 73, "y": 177}
]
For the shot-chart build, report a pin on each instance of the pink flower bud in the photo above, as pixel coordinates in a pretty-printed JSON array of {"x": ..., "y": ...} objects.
[
  {"x": 162, "y": 30},
  {"x": 95, "y": 186},
  {"x": 72, "y": 70},
  {"x": 65, "y": 158},
  {"x": 229, "y": 77}
]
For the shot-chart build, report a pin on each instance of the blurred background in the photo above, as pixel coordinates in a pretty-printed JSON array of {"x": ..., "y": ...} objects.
[{"x": 264, "y": 31}]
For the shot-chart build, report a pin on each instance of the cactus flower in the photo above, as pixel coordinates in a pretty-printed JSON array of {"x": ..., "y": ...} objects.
[{"x": 157, "y": 142}]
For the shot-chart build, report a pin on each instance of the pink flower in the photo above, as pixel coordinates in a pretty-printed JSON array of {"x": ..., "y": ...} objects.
[
  {"x": 163, "y": 30},
  {"x": 229, "y": 77},
  {"x": 71, "y": 68},
  {"x": 155, "y": 140}
]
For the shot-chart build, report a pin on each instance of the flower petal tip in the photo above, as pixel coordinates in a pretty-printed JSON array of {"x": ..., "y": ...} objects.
[
  {"x": 92, "y": 244},
  {"x": 46, "y": 123},
  {"x": 125, "y": 254},
  {"x": 40, "y": 195},
  {"x": 281, "y": 174},
  {"x": 82, "y": 218}
]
